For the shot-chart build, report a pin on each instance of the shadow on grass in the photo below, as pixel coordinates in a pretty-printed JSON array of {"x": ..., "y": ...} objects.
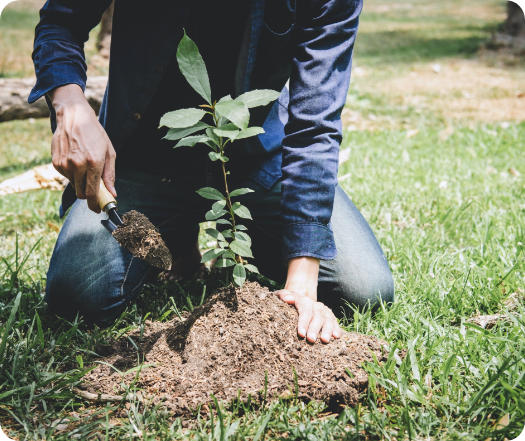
[{"x": 406, "y": 46}]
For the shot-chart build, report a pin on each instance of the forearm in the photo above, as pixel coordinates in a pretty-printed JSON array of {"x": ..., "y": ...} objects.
[{"x": 58, "y": 53}]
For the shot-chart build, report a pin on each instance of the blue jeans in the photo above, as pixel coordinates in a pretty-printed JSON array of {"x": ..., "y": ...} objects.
[{"x": 91, "y": 274}]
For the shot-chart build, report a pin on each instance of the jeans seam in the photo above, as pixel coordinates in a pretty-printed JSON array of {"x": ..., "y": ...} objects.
[{"x": 125, "y": 277}]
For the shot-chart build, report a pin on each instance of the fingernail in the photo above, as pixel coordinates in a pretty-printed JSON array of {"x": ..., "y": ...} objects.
[{"x": 301, "y": 332}]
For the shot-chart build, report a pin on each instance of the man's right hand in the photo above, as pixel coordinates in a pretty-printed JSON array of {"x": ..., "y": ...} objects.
[{"x": 80, "y": 148}]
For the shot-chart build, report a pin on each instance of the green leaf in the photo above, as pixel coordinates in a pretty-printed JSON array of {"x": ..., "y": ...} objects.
[
  {"x": 240, "y": 192},
  {"x": 214, "y": 233},
  {"x": 211, "y": 193},
  {"x": 241, "y": 211},
  {"x": 258, "y": 97},
  {"x": 234, "y": 111},
  {"x": 9, "y": 324},
  {"x": 211, "y": 254},
  {"x": 240, "y": 227},
  {"x": 190, "y": 141},
  {"x": 227, "y": 234},
  {"x": 215, "y": 156},
  {"x": 219, "y": 205},
  {"x": 249, "y": 132},
  {"x": 225, "y": 98},
  {"x": 228, "y": 254},
  {"x": 182, "y": 118},
  {"x": 228, "y": 133},
  {"x": 239, "y": 235},
  {"x": 175, "y": 134},
  {"x": 216, "y": 140},
  {"x": 251, "y": 268},
  {"x": 214, "y": 215},
  {"x": 193, "y": 67},
  {"x": 241, "y": 248},
  {"x": 224, "y": 263},
  {"x": 239, "y": 274}
]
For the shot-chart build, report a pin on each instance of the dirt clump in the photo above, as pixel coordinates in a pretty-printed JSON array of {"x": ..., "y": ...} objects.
[
  {"x": 143, "y": 240},
  {"x": 241, "y": 343}
]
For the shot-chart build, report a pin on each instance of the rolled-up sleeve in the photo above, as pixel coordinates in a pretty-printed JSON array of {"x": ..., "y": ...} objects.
[
  {"x": 319, "y": 82},
  {"x": 60, "y": 35}
]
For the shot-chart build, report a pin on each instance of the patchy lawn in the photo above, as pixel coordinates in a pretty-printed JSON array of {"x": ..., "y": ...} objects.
[{"x": 432, "y": 155}]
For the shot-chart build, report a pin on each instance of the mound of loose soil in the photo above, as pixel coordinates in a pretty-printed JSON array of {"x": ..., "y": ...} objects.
[
  {"x": 239, "y": 343},
  {"x": 142, "y": 239}
]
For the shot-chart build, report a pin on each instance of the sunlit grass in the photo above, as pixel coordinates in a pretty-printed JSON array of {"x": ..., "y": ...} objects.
[{"x": 445, "y": 196}]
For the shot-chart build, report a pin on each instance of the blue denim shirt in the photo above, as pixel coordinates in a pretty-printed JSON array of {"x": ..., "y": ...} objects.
[{"x": 306, "y": 42}]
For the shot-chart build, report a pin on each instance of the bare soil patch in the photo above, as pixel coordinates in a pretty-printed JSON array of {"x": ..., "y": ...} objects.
[
  {"x": 241, "y": 343},
  {"x": 143, "y": 240},
  {"x": 462, "y": 89},
  {"x": 476, "y": 90}
]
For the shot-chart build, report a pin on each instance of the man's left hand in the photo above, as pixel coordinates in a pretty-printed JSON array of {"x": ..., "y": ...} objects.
[{"x": 315, "y": 318}]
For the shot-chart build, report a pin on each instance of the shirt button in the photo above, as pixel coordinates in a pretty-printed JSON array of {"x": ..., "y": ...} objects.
[{"x": 137, "y": 116}]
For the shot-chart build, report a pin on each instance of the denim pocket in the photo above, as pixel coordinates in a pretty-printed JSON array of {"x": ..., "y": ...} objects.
[{"x": 280, "y": 17}]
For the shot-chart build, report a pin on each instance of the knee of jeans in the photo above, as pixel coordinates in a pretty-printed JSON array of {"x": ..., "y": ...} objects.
[
  {"x": 368, "y": 289},
  {"x": 70, "y": 294}
]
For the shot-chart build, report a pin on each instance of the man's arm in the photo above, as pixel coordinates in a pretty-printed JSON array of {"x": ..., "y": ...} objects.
[
  {"x": 318, "y": 89},
  {"x": 80, "y": 148}
]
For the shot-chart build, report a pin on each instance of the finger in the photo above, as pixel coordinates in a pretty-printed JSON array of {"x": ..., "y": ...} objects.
[
  {"x": 304, "y": 308},
  {"x": 92, "y": 185},
  {"x": 315, "y": 324},
  {"x": 108, "y": 174},
  {"x": 338, "y": 332},
  {"x": 58, "y": 157},
  {"x": 286, "y": 296},
  {"x": 328, "y": 327},
  {"x": 79, "y": 182}
]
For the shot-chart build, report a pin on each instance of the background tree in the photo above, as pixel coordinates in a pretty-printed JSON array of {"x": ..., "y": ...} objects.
[
  {"x": 511, "y": 33},
  {"x": 104, "y": 35}
]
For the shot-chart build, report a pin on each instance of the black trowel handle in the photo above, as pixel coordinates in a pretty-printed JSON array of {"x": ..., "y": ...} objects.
[{"x": 106, "y": 201}]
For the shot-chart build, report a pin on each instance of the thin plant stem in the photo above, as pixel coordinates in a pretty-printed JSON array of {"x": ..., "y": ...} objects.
[{"x": 226, "y": 189}]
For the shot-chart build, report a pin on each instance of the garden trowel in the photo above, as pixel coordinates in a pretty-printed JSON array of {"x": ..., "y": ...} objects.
[{"x": 134, "y": 232}]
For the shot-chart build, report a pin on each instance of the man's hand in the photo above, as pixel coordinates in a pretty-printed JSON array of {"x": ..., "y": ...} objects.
[
  {"x": 80, "y": 148},
  {"x": 301, "y": 290}
]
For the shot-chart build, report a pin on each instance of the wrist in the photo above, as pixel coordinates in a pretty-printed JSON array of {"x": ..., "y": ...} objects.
[
  {"x": 67, "y": 95},
  {"x": 302, "y": 277}
]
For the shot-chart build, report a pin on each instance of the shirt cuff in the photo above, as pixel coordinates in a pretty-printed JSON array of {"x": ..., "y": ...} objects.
[
  {"x": 308, "y": 240},
  {"x": 55, "y": 76}
]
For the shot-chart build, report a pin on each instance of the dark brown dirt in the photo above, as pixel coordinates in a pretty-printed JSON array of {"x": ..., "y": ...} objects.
[
  {"x": 142, "y": 239},
  {"x": 227, "y": 347}
]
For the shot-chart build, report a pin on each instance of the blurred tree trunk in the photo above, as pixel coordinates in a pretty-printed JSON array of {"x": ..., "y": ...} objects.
[
  {"x": 104, "y": 35},
  {"x": 515, "y": 23},
  {"x": 511, "y": 34}
]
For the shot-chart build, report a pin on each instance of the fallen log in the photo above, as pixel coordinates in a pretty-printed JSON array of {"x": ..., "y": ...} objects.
[{"x": 14, "y": 93}]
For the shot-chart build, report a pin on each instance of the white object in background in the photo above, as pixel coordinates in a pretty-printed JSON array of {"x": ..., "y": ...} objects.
[
  {"x": 3, "y": 436},
  {"x": 3, "y": 4},
  {"x": 42, "y": 176}
]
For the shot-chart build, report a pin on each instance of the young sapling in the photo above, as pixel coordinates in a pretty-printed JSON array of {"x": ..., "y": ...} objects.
[{"x": 228, "y": 121}]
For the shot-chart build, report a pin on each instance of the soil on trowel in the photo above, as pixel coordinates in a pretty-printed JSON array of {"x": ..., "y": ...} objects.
[
  {"x": 242, "y": 343},
  {"x": 142, "y": 239}
]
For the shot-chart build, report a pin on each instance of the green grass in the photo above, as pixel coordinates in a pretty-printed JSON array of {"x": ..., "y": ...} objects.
[
  {"x": 449, "y": 213},
  {"x": 17, "y": 25}
]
